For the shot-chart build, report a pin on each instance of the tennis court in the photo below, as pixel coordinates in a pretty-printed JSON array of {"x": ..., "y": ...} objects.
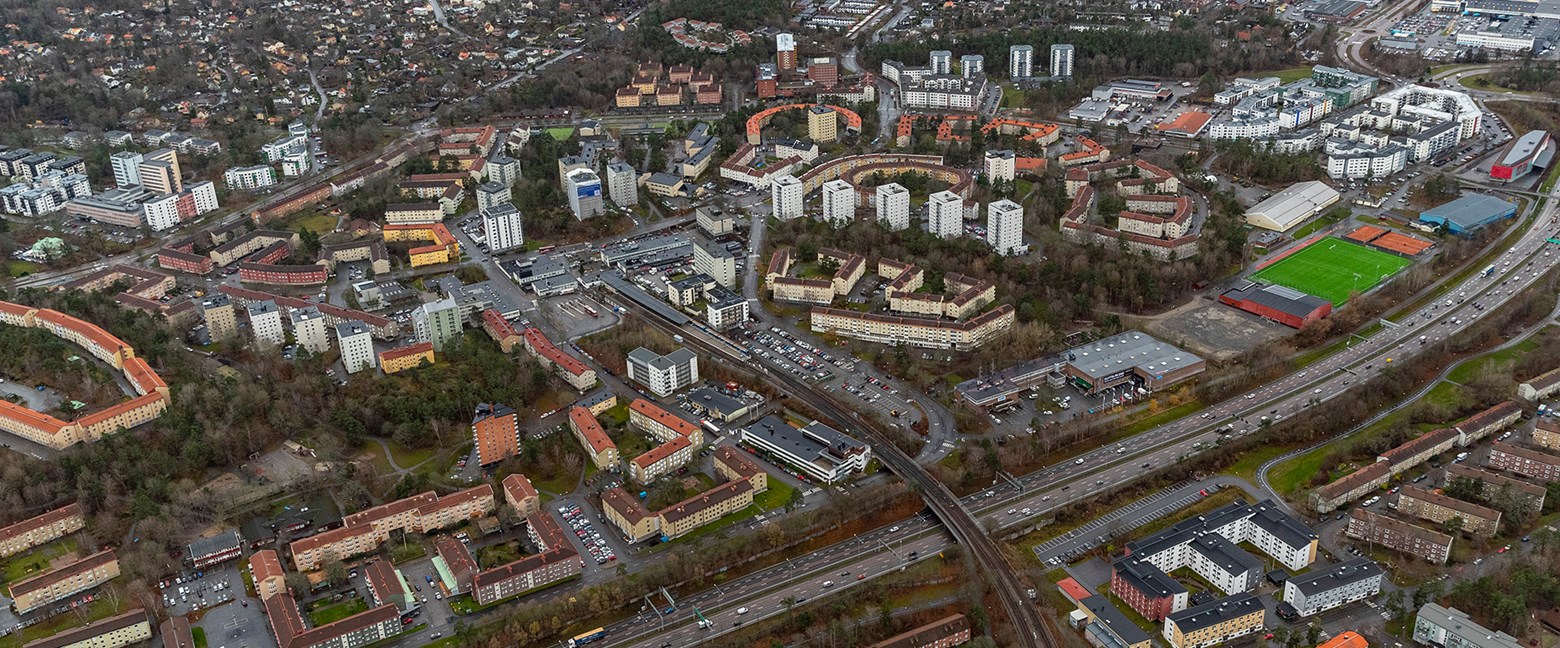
[{"x": 1333, "y": 269}]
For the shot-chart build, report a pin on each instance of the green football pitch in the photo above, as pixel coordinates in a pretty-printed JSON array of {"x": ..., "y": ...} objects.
[{"x": 1333, "y": 269}]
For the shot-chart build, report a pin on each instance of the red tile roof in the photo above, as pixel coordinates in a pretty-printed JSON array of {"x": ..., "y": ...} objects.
[
  {"x": 668, "y": 419},
  {"x": 662, "y": 451},
  {"x": 590, "y": 429},
  {"x": 544, "y": 347}
]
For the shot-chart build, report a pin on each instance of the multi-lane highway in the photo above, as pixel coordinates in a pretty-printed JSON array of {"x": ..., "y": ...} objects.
[{"x": 1109, "y": 467}]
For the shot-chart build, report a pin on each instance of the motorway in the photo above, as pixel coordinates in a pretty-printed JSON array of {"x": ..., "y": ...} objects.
[{"x": 1108, "y": 467}]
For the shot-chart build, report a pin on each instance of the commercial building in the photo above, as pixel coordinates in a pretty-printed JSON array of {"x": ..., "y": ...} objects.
[
  {"x": 126, "y": 629},
  {"x": 1341, "y": 584},
  {"x": 603, "y": 452},
  {"x": 1281, "y": 304},
  {"x": 1445, "y": 627},
  {"x": 437, "y": 323},
  {"x": 220, "y": 317},
  {"x": 945, "y": 214},
  {"x": 1005, "y": 227},
  {"x": 818, "y": 450},
  {"x": 410, "y": 356},
  {"x": 309, "y": 330},
  {"x": 63, "y": 581},
  {"x": 356, "y": 342},
  {"x": 892, "y": 204},
  {"x": 1541, "y": 466},
  {"x": 1104, "y": 624},
  {"x": 42, "y": 529},
  {"x": 502, "y": 227},
  {"x": 786, "y": 197},
  {"x": 218, "y": 548},
  {"x": 495, "y": 431},
  {"x": 265, "y": 323},
  {"x": 1521, "y": 156},
  {"x": 1466, "y": 214},
  {"x": 1431, "y": 546},
  {"x": 1061, "y": 61},
  {"x": 1215, "y": 623},
  {"x": 622, "y": 184},
  {"x": 663, "y": 374},
  {"x": 583, "y": 188},
  {"x": 1286, "y": 209},
  {"x": 949, "y": 631},
  {"x": 1021, "y": 62},
  {"x": 1438, "y": 509}
]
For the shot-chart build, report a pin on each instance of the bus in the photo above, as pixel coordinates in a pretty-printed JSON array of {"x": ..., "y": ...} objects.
[
  {"x": 545, "y": 249},
  {"x": 588, "y": 637}
]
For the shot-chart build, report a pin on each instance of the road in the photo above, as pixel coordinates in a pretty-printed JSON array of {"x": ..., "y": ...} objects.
[{"x": 1107, "y": 468}]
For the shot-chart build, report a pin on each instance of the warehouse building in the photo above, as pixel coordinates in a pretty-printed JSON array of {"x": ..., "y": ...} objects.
[
  {"x": 1284, "y": 210},
  {"x": 1468, "y": 213},
  {"x": 1286, "y": 306}
]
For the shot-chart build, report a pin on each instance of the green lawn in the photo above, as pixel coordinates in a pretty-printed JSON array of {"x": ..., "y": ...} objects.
[
  {"x": 20, "y": 268},
  {"x": 319, "y": 223},
  {"x": 1322, "y": 221},
  {"x": 1292, "y": 74},
  {"x": 561, "y": 133},
  {"x": 1155, "y": 420},
  {"x": 337, "y": 611},
  {"x": 1248, "y": 463},
  {"x": 1497, "y": 361},
  {"x": 1479, "y": 82},
  {"x": 199, "y": 634},
  {"x": 409, "y": 457},
  {"x": 1333, "y": 269},
  {"x": 777, "y": 496},
  {"x": 37, "y": 560}
]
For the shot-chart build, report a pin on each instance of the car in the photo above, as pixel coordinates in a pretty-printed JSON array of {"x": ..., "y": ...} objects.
[
  {"x": 742, "y": 610},
  {"x": 1079, "y": 462},
  {"x": 893, "y": 529}
]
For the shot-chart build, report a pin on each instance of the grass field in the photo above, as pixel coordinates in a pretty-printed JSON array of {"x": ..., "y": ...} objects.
[
  {"x": 1292, "y": 75},
  {"x": 1332, "y": 269},
  {"x": 560, "y": 133}
]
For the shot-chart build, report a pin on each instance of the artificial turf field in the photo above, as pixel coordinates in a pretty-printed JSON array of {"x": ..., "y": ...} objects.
[{"x": 1333, "y": 269}]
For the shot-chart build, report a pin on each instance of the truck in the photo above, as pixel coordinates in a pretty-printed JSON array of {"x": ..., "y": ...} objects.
[{"x": 1488, "y": 271}]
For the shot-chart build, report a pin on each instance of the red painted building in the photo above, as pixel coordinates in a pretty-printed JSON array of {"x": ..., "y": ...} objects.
[
  {"x": 1522, "y": 155},
  {"x": 1143, "y": 587},
  {"x": 1283, "y": 305},
  {"x": 171, "y": 259},
  {"x": 282, "y": 275}
]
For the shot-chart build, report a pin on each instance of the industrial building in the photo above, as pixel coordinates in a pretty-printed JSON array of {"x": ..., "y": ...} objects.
[{"x": 1284, "y": 305}]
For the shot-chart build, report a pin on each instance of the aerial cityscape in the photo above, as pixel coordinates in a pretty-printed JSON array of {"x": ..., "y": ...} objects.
[{"x": 780, "y": 323}]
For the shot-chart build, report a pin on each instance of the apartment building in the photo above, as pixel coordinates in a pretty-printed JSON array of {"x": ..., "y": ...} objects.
[
  {"x": 1546, "y": 433},
  {"x": 265, "y": 568},
  {"x": 1341, "y": 584},
  {"x": 1438, "y": 508},
  {"x": 603, "y": 452},
  {"x": 437, "y": 323},
  {"x": 555, "y": 561},
  {"x": 945, "y": 214},
  {"x": 503, "y": 227},
  {"x": 622, "y": 184},
  {"x": 265, "y": 323},
  {"x": 1147, "y": 589},
  {"x": 1000, "y": 166},
  {"x": 660, "y": 460},
  {"x": 495, "y": 431},
  {"x": 364, "y": 531},
  {"x": 577, "y": 374},
  {"x": 520, "y": 495},
  {"x": 459, "y": 566},
  {"x": 42, "y": 529},
  {"x": 1494, "y": 485},
  {"x": 221, "y": 319},
  {"x": 891, "y": 202},
  {"x": 786, "y": 195},
  {"x": 1445, "y": 627},
  {"x": 356, "y": 342},
  {"x": 376, "y": 624},
  {"x": 1005, "y": 227},
  {"x": 1215, "y": 622},
  {"x": 839, "y": 202},
  {"x": 583, "y": 188},
  {"x": 120, "y": 630},
  {"x": 663, "y": 374},
  {"x": 1431, "y": 546},
  {"x": 309, "y": 331},
  {"x": 949, "y": 631},
  {"x": 734, "y": 464},
  {"x": 662, "y": 424},
  {"x": 63, "y": 581},
  {"x": 625, "y": 512},
  {"x": 1541, "y": 466},
  {"x": 914, "y": 331},
  {"x": 248, "y": 178},
  {"x": 410, "y": 356},
  {"x": 421, "y": 213},
  {"x": 715, "y": 221}
]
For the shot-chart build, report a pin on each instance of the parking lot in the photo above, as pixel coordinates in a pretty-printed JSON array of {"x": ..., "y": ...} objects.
[{"x": 595, "y": 546}]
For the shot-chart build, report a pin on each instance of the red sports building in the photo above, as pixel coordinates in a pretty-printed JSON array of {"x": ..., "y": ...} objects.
[{"x": 1283, "y": 305}]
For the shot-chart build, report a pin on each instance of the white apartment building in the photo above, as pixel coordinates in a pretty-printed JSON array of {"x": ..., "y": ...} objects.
[
  {"x": 971, "y": 65},
  {"x": 501, "y": 226},
  {"x": 584, "y": 189},
  {"x": 308, "y": 325},
  {"x": 127, "y": 168},
  {"x": 786, "y": 198},
  {"x": 1005, "y": 227},
  {"x": 660, "y": 374},
  {"x": 1021, "y": 62},
  {"x": 204, "y": 194},
  {"x": 945, "y": 214},
  {"x": 1341, "y": 584},
  {"x": 265, "y": 323},
  {"x": 248, "y": 178},
  {"x": 161, "y": 212},
  {"x": 356, "y": 342},
  {"x": 622, "y": 184},
  {"x": 892, "y": 203},
  {"x": 713, "y": 259},
  {"x": 490, "y": 194},
  {"x": 941, "y": 62},
  {"x": 1001, "y": 166},
  {"x": 1062, "y": 61},
  {"x": 503, "y": 169},
  {"x": 839, "y": 202}
]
